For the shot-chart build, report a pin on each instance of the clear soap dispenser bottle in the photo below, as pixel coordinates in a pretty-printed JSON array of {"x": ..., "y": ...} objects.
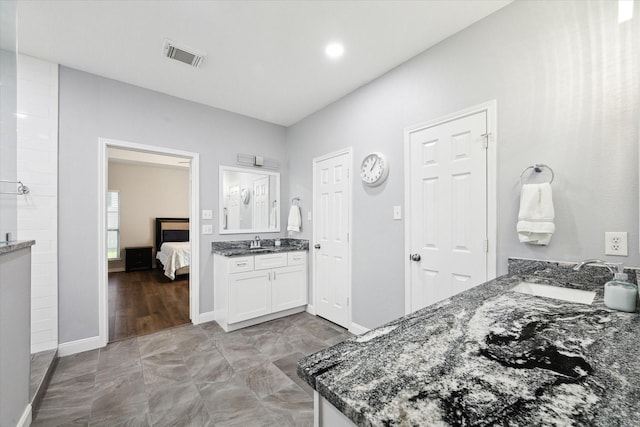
[{"x": 620, "y": 294}]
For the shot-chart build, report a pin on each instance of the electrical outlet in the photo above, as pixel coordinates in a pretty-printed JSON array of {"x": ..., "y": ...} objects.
[
  {"x": 207, "y": 229},
  {"x": 615, "y": 243}
]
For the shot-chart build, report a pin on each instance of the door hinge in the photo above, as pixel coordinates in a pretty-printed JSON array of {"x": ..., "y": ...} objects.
[
  {"x": 486, "y": 245},
  {"x": 485, "y": 143}
]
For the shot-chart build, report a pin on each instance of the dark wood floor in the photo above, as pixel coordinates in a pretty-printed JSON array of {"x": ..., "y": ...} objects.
[{"x": 142, "y": 302}]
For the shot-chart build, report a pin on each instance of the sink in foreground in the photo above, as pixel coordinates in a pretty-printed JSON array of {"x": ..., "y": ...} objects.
[{"x": 556, "y": 292}]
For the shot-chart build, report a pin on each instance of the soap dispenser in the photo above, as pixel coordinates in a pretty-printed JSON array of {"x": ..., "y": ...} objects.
[{"x": 620, "y": 294}]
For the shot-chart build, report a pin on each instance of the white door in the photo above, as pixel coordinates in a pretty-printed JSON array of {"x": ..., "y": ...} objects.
[
  {"x": 332, "y": 202},
  {"x": 261, "y": 203},
  {"x": 448, "y": 208},
  {"x": 233, "y": 208}
]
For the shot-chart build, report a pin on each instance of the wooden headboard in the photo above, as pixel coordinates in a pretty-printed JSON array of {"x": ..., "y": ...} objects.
[{"x": 172, "y": 230}]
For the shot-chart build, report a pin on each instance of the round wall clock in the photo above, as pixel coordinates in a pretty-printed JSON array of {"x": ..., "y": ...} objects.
[{"x": 374, "y": 169}]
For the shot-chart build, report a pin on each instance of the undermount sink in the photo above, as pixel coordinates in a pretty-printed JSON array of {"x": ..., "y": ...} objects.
[{"x": 556, "y": 292}]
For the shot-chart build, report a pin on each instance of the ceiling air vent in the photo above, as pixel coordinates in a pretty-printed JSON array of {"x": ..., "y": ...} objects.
[{"x": 182, "y": 54}]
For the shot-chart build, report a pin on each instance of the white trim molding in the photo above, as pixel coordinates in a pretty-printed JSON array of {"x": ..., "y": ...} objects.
[
  {"x": 27, "y": 417},
  {"x": 208, "y": 316},
  {"x": 78, "y": 346},
  {"x": 194, "y": 226},
  {"x": 311, "y": 309},
  {"x": 358, "y": 329},
  {"x": 491, "y": 108}
]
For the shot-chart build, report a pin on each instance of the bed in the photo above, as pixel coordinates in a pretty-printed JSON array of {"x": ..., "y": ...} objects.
[{"x": 173, "y": 250}]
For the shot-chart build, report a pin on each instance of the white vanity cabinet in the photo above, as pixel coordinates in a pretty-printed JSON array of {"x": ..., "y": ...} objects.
[{"x": 252, "y": 289}]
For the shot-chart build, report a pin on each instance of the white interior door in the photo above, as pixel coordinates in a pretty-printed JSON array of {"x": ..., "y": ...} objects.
[
  {"x": 332, "y": 202},
  {"x": 233, "y": 208},
  {"x": 261, "y": 203},
  {"x": 448, "y": 208}
]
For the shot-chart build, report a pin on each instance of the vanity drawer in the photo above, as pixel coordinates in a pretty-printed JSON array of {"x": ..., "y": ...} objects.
[
  {"x": 266, "y": 261},
  {"x": 297, "y": 258},
  {"x": 241, "y": 264}
]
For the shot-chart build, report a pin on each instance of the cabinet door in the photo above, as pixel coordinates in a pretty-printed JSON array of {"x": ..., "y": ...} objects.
[
  {"x": 249, "y": 295},
  {"x": 288, "y": 287}
]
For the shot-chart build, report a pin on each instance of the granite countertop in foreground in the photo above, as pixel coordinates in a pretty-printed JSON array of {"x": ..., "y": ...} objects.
[
  {"x": 491, "y": 356},
  {"x": 241, "y": 247}
]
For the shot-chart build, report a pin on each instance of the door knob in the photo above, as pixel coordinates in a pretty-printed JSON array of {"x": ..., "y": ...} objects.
[
  {"x": 415, "y": 257},
  {"x": 317, "y": 246}
]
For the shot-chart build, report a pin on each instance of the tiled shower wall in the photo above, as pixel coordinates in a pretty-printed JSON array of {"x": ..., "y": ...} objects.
[{"x": 38, "y": 211}]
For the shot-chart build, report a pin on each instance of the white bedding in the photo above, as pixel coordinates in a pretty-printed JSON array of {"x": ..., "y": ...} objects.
[{"x": 174, "y": 255}]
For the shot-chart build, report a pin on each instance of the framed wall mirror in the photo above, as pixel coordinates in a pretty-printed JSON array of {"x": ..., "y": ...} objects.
[{"x": 249, "y": 201}]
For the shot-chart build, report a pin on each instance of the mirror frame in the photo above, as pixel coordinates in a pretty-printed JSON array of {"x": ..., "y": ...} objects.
[{"x": 222, "y": 170}]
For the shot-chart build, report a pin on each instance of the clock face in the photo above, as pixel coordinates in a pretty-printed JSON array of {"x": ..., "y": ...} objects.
[{"x": 374, "y": 169}]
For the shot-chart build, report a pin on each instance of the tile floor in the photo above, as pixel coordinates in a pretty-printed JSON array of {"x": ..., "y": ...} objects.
[{"x": 192, "y": 376}]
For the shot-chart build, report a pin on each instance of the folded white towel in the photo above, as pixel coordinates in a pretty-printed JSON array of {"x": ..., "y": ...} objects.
[
  {"x": 535, "y": 219},
  {"x": 295, "y": 219}
]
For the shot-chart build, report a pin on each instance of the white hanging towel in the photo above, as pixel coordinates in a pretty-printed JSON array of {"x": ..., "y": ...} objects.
[
  {"x": 535, "y": 219},
  {"x": 295, "y": 219}
]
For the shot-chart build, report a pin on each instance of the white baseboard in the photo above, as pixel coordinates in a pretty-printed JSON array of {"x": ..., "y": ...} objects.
[
  {"x": 209, "y": 316},
  {"x": 357, "y": 329},
  {"x": 73, "y": 347},
  {"x": 311, "y": 309},
  {"x": 44, "y": 346},
  {"x": 25, "y": 419}
]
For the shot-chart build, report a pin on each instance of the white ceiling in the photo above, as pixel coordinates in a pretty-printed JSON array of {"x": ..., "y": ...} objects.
[{"x": 264, "y": 59}]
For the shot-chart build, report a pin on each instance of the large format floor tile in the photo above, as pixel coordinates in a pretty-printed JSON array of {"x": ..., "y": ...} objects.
[{"x": 192, "y": 376}]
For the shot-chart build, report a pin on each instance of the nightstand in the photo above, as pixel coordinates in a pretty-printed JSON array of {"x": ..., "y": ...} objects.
[{"x": 138, "y": 258}]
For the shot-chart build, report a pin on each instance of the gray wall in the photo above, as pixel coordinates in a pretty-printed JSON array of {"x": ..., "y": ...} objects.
[
  {"x": 565, "y": 76},
  {"x": 93, "y": 107},
  {"x": 147, "y": 192}
]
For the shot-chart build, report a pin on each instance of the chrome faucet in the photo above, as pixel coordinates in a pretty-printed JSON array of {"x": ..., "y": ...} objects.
[
  {"x": 612, "y": 266},
  {"x": 256, "y": 243}
]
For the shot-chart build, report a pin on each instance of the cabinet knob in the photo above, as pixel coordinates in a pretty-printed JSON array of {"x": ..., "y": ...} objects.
[
  {"x": 415, "y": 257},
  {"x": 317, "y": 246}
]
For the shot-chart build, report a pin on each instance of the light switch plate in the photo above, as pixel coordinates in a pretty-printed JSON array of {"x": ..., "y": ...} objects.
[
  {"x": 397, "y": 212},
  {"x": 207, "y": 214},
  {"x": 207, "y": 229}
]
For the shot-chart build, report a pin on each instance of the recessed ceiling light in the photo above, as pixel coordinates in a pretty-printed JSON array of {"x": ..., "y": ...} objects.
[{"x": 334, "y": 50}]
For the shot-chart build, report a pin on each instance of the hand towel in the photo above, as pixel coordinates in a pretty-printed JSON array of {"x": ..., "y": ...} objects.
[
  {"x": 535, "y": 219},
  {"x": 295, "y": 219}
]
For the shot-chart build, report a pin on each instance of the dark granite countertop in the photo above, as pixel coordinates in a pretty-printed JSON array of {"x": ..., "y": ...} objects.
[
  {"x": 492, "y": 356},
  {"x": 6, "y": 247},
  {"x": 242, "y": 247}
]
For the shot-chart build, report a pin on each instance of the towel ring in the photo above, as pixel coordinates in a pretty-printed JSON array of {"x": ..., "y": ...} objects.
[
  {"x": 295, "y": 201},
  {"x": 538, "y": 168}
]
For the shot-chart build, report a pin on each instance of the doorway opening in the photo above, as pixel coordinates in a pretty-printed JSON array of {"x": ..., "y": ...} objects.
[{"x": 148, "y": 239}]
